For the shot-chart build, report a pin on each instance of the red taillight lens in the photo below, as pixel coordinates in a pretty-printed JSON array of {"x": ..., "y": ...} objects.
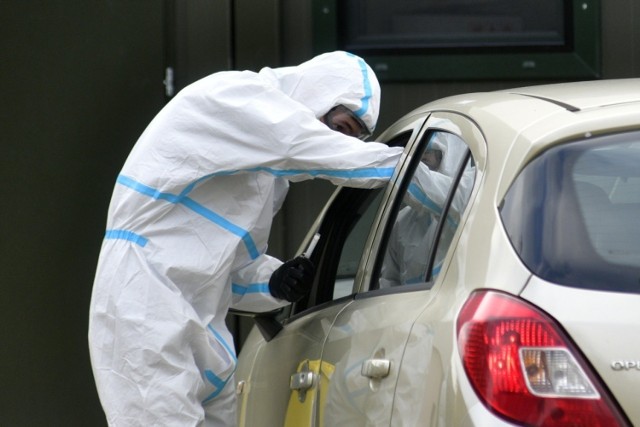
[{"x": 524, "y": 368}]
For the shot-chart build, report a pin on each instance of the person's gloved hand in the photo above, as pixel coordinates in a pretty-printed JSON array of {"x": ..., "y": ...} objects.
[{"x": 293, "y": 279}]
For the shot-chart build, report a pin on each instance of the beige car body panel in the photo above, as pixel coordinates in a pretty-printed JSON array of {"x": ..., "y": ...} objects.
[
  {"x": 415, "y": 329},
  {"x": 604, "y": 323}
]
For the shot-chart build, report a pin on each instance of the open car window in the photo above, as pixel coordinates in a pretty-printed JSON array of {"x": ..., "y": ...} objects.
[
  {"x": 354, "y": 246},
  {"x": 345, "y": 227}
]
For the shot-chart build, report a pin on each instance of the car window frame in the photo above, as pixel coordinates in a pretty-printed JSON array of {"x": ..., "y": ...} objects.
[
  {"x": 407, "y": 177},
  {"x": 471, "y": 134}
]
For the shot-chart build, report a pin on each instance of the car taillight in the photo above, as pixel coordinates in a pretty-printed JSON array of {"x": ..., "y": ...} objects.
[{"x": 524, "y": 367}]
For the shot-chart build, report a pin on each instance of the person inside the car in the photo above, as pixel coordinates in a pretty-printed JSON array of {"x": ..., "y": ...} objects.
[
  {"x": 189, "y": 221},
  {"x": 407, "y": 256}
]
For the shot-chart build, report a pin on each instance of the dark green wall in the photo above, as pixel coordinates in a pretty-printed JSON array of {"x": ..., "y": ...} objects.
[
  {"x": 76, "y": 89},
  {"x": 79, "y": 81}
]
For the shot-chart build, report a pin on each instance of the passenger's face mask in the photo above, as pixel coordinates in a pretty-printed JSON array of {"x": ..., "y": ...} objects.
[
  {"x": 343, "y": 120},
  {"x": 432, "y": 158}
]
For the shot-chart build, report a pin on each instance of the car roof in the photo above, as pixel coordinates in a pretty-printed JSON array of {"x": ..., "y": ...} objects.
[
  {"x": 585, "y": 95},
  {"x": 520, "y": 123},
  {"x": 572, "y": 96}
]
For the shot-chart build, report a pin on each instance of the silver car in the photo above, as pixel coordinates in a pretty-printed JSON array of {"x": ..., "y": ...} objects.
[{"x": 495, "y": 281}]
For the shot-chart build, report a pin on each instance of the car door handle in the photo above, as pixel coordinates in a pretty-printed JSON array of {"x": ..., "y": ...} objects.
[
  {"x": 376, "y": 369},
  {"x": 302, "y": 381}
]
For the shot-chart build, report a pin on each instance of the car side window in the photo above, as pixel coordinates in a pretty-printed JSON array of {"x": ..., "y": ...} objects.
[
  {"x": 435, "y": 196},
  {"x": 344, "y": 231},
  {"x": 354, "y": 246}
]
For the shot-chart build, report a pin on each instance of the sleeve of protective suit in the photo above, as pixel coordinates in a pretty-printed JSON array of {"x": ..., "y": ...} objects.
[
  {"x": 428, "y": 190},
  {"x": 254, "y": 127},
  {"x": 250, "y": 286}
]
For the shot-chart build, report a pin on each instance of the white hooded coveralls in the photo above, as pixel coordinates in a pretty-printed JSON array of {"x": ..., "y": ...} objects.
[{"x": 188, "y": 225}]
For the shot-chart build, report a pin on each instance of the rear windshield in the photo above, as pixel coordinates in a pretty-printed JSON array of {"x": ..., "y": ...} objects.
[{"x": 573, "y": 214}]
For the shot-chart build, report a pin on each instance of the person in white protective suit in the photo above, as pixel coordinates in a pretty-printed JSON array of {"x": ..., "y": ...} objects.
[
  {"x": 407, "y": 256},
  {"x": 189, "y": 221}
]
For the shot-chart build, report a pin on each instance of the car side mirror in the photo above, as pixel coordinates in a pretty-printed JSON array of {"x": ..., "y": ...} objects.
[{"x": 266, "y": 322}]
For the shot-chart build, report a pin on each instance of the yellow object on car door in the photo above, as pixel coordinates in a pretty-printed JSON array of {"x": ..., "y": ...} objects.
[{"x": 308, "y": 390}]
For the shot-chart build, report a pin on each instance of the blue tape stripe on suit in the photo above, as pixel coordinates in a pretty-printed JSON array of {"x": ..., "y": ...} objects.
[
  {"x": 195, "y": 207},
  {"x": 126, "y": 235},
  {"x": 250, "y": 289}
]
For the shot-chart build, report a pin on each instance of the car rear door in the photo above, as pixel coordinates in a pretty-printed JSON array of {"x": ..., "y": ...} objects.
[{"x": 375, "y": 365}]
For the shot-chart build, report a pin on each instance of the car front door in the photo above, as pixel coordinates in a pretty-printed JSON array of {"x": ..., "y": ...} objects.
[{"x": 280, "y": 380}]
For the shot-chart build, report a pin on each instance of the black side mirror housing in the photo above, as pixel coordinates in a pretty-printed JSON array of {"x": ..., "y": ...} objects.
[{"x": 266, "y": 322}]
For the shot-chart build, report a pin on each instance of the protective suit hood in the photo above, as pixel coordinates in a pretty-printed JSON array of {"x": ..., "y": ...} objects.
[
  {"x": 451, "y": 152},
  {"x": 330, "y": 79}
]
